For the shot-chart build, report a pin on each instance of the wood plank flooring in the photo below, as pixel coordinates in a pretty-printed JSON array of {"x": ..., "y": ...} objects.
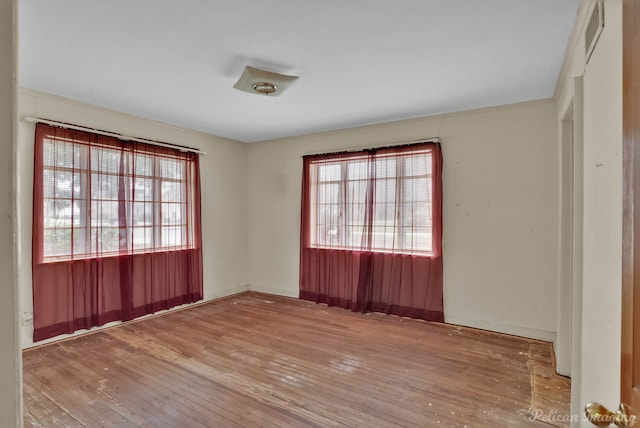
[{"x": 256, "y": 360}]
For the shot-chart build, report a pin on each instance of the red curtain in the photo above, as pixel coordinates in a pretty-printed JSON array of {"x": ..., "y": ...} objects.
[
  {"x": 371, "y": 231},
  {"x": 116, "y": 230}
]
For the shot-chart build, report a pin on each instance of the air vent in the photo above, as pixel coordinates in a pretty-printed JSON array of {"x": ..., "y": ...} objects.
[{"x": 594, "y": 29}]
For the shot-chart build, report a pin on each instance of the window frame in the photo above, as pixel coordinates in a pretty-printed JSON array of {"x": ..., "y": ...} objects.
[
  {"x": 87, "y": 197},
  {"x": 344, "y": 225}
]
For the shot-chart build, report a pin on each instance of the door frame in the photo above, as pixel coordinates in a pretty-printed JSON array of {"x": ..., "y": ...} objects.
[
  {"x": 568, "y": 342},
  {"x": 630, "y": 350}
]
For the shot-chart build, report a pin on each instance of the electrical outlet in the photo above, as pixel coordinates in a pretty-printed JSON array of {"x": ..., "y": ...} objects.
[{"x": 27, "y": 318}]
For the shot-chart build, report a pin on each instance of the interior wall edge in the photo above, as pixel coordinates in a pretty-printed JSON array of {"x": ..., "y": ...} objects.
[{"x": 10, "y": 359}]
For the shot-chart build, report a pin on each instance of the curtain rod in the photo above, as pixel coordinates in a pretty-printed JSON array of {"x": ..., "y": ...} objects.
[
  {"x": 388, "y": 146},
  {"x": 32, "y": 119}
]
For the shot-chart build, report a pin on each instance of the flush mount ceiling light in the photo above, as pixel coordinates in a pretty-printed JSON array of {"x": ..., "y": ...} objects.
[{"x": 261, "y": 82}]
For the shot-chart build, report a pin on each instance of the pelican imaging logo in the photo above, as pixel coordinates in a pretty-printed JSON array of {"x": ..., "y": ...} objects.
[
  {"x": 554, "y": 417},
  {"x": 548, "y": 416}
]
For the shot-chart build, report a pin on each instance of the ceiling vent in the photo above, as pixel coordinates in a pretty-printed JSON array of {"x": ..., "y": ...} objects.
[{"x": 594, "y": 29}]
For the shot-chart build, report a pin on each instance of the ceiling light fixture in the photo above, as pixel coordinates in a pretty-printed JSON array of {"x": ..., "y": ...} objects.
[
  {"x": 262, "y": 82},
  {"x": 265, "y": 88}
]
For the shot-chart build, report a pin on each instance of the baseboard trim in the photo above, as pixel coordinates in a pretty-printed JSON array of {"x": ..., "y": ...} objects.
[
  {"x": 276, "y": 291},
  {"x": 530, "y": 333},
  {"x": 225, "y": 292}
]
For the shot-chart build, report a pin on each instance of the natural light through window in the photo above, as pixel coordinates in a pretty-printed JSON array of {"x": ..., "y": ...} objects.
[
  {"x": 382, "y": 202},
  {"x": 102, "y": 200}
]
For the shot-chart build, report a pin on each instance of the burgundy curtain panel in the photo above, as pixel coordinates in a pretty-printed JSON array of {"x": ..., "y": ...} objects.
[
  {"x": 116, "y": 230},
  {"x": 371, "y": 230}
]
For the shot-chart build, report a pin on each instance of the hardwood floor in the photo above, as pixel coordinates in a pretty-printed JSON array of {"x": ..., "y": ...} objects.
[{"x": 256, "y": 360}]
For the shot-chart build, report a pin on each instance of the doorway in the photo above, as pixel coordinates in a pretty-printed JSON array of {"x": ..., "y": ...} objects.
[{"x": 569, "y": 333}]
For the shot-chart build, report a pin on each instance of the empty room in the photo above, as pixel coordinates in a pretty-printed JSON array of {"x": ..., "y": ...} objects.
[{"x": 344, "y": 213}]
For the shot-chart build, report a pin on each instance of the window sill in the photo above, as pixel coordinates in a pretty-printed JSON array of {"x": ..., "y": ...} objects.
[
  {"x": 63, "y": 259},
  {"x": 354, "y": 250}
]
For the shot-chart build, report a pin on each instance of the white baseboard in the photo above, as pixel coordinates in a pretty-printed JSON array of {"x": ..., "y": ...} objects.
[
  {"x": 225, "y": 292},
  {"x": 531, "y": 333},
  {"x": 276, "y": 291}
]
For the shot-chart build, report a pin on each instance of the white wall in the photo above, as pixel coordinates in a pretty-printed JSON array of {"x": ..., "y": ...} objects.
[
  {"x": 500, "y": 211},
  {"x": 597, "y": 377},
  {"x": 10, "y": 362},
  {"x": 224, "y": 203}
]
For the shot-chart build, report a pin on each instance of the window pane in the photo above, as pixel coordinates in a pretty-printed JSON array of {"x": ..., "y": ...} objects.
[
  {"x": 417, "y": 164},
  {"x": 172, "y": 236},
  {"x": 105, "y": 160},
  {"x": 80, "y": 241},
  {"x": 60, "y": 153},
  {"x": 104, "y": 186},
  {"x": 171, "y": 213},
  {"x": 328, "y": 193},
  {"x": 104, "y": 213},
  {"x": 61, "y": 212},
  {"x": 326, "y": 204},
  {"x": 61, "y": 183},
  {"x": 142, "y": 165},
  {"x": 105, "y": 239},
  {"x": 327, "y": 232},
  {"x": 383, "y": 238},
  {"x": 357, "y": 170},
  {"x": 422, "y": 239},
  {"x": 172, "y": 168},
  {"x": 142, "y": 214},
  {"x": 385, "y": 191},
  {"x": 416, "y": 214},
  {"x": 385, "y": 208},
  {"x": 329, "y": 172},
  {"x": 143, "y": 189},
  {"x": 356, "y": 192},
  {"x": 172, "y": 191},
  {"x": 416, "y": 189},
  {"x": 142, "y": 237},
  {"x": 406, "y": 238},
  {"x": 385, "y": 167},
  {"x": 57, "y": 242}
]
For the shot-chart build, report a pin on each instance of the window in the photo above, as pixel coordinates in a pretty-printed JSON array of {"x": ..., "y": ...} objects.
[
  {"x": 378, "y": 201},
  {"x": 116, "y": 229},
  {"x": 102, "y": 200},
  {"x": 371, "y": 230}
]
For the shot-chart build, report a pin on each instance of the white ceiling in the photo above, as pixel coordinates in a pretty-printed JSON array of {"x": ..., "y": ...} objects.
[{"x": 359, "y": 61}]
